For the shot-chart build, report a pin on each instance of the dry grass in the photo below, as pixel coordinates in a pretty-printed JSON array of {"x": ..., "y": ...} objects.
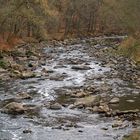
[{"x": 131, "y": 48}]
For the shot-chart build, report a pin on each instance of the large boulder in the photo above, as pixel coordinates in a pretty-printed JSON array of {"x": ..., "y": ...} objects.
[
  {"x": 55, "y": 106},
  {"x": 26, "y": 75},
  {"x": 14, "y": 108},
  {"x": 88, "y": 101}
]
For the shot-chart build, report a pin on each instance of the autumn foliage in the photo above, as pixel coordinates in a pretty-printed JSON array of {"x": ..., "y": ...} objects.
[{"x": 56, "y": 19}]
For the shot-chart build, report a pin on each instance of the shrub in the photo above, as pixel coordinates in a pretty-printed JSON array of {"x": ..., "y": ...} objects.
[
  {"x": 3, "y": 64},
  {"x": 131, "y": 48}
]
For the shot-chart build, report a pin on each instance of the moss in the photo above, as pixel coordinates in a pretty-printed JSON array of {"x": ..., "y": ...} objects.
[
  {"x": 1, "y": 55},
  {"x": 3, "y": 64},
  {"x": 29, "y": 53}
]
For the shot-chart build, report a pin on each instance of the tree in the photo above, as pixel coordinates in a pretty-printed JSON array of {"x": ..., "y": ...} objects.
[{"x": 21, "y": 17}]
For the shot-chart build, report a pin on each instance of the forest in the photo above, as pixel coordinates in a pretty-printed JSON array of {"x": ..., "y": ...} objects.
[
  {"x": 56, "y": 19},
  {"x": 70, "y": 69}
]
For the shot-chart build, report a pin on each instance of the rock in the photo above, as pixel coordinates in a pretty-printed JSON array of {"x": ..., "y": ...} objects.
[
  {"x": 24, "y": 96},
  {"x": 55, "y": 106},
  {"x": 104, "y": 128},
  {"x": 119, "y": 113},
  {"x": 7, "y": 101},
  {"x": 22, "y": 59},
  {"x": 57, "y": 77},
  {"x": 95, "y": 109},
  {"x": 32, "y": 64},
  {"x": 117, "y": 124},
  {"x": 130, "y": 101},
  {"x": 14, "y": 108},
  {"x": 44, "y": 70},
  {"x": 57, "y": 127},
  {"x": 17, "y": 67},
  {"x": 80, "y": 131},
  {"x": 88, "y": 101},
  {"x": 27, "y": 131},
  {"x": 104, "y": 108},
  {"x": 71, "y": 106},
  {"x": 59, "y": 66},
  {"x": 2, "y": 70},
  {"x": 50, "y": 71},
  {"x": 33, "y": 58},
  {"x": 114, "y": 100},
  {"x": 71, "y": 124},
  {"x": 79, "y": 95},
  {"x": 81, "y": 67},
  {"x": 26, "y": 75},
  {"x": 32, "y": 109},
  {"x": 16, "y": 72}
]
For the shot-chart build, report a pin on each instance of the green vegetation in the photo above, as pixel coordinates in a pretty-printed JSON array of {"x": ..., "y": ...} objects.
[{"x": 3, "y": 64}]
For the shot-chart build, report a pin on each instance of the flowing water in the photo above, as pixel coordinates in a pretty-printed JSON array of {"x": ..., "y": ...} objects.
[{"x": 62, "y": 78}]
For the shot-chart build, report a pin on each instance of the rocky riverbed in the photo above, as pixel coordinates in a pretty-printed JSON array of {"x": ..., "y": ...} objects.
[{"x": 72, "y": 89}]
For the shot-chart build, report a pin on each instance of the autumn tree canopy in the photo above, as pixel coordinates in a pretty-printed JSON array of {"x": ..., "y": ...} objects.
[{"x": 37, "y": 18}]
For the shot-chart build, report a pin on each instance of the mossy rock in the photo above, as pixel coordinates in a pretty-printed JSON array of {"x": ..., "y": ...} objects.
[{"x": 3, "y": 64}]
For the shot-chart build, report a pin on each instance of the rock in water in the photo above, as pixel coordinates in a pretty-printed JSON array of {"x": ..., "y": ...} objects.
[
  {"x": 24, "y": 96},
  {"x": 88, "y": 101},
  {"x": 26, "y": 75},
  {"x": 55, "y": 106},
  {"x": 14, "y": 108},
  {"x": 82, "y": 67},
  {"x": 114, "y": 100}
]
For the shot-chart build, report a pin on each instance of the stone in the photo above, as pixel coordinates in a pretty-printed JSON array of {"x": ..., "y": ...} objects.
[
  {"x": 26, "y": 75},
  {"x": 117, "y": 124},
  {"x": 24, "y": 96},
  {"x": 79, "y": 95},
  {"x": 114, "y": 100},
  {"x": 88, "y": 101},
  {"x": 55, "y": 106},
  {"x": 17, "y": 67},
  {"x": 2, "y": 70},
  {"x": 95, "y": 109},
  {"x": 130, "y": 101},
  {"x": 104, "y": 128},
  {"x": 80, "y": 131},
  {"x": 72, "y": 106},
  {"x": 27, "y": 131},
  {"x": 57, "y": 77},
  {"x": 104, "y": 108},
  {"x": 14, "y": 108},
  {"x": 81, "y": 67},
  {"x": 57, "y": 127},
  {"x": 44, "y": 70}
]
